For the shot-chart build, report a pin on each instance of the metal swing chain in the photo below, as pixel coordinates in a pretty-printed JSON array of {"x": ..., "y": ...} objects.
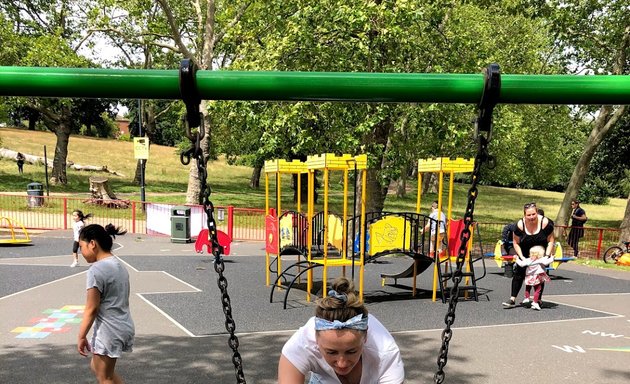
[
  {"x": 195, "y": 118},
  {"x": 484, "y": 124},
  {"x": 449, "y": 319},
  {"x": 217, "y": 250}
]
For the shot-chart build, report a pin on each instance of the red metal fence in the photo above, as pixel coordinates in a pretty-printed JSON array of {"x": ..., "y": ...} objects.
[
  {"x": 51, "y": 212},
  {"x": 45, "y": 213}
]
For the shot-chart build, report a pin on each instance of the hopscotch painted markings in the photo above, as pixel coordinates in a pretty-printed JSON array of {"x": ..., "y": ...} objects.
[
  {"x": 55, "y": 321},
  {"x": 579, "y": 349}
]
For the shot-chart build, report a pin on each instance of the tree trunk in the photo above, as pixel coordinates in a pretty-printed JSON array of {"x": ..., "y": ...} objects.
[
  {"x": 606, "y": 120},
  {"x": 194, "y": 184},
  {"x": 429, "y": 183},
  {"x": 375, "y": 192},
  {"x": 32, "y": 121},
  {"x": 303, "y": 187},
  {"x": 100, "y": 189},
  {"x": 376, "y": 144},
  {"x": 254, "y": 181},
  {"x": 58, "y": 174},
  {"x": 624, "y": 235},
  {"x": 401, "y": 184}
]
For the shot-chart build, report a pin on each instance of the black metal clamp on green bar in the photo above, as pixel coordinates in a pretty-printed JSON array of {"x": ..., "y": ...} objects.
[
  {"x": 190, "y": 97},
  {"x": 489, "y": 98},
  {"x": 189, "y": 92},
  {"x": 483, "y": 124}
]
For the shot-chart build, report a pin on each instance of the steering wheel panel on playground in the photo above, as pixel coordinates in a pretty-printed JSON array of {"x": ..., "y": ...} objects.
[{"x": 294, "y": 233}]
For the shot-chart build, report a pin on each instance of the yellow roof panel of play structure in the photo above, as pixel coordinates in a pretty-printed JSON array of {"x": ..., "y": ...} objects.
[
  {"x": 445, "y": 164},
  {"x": 280, "y": 165},
  {"x": 332, "y": 161}
]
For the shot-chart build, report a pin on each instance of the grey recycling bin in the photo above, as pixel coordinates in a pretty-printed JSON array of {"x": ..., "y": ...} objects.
[
  {"x": 180, "y": 224},
  {"x": 35, "y": 193}
]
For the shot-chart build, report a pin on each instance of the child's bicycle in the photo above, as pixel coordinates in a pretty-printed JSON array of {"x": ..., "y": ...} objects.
[{"x": 614, "y": 253}]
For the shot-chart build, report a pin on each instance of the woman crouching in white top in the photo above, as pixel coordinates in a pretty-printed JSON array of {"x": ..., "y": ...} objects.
[{"x": 341, "y": 344}]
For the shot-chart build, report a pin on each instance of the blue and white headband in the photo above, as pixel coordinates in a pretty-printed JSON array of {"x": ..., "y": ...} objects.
[
  {"x": 358, "y": 323},
  {"x": 340, "y": 296}
]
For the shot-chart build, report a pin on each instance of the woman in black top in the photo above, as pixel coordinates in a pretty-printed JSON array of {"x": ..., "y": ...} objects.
[
  {"x": 20, "y": 162},
  {"x": 578, "y": 218},
  {"x": 533, "y": 229}
]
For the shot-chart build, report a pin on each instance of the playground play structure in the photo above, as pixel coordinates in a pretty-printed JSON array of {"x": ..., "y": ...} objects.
[
  {"x": 21, "y": 238},
  {"x": 355, "y": 237},
  {"x": 485, "y": 90}
]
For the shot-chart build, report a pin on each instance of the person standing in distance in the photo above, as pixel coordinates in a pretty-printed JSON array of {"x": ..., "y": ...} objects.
[
  {"x": 578, "y": 219},
  {"x": 20, "y": 162},
  {"x": 79, "y": 222}
]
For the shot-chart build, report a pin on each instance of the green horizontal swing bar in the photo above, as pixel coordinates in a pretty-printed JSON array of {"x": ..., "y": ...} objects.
[{"x": 313, "y": 86}]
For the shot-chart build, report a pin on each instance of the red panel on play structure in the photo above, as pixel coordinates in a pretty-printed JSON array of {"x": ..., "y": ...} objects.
[
  {"x": 224, "y": 240},
  {"x": 454, "y": 241},
  {"x": 271, "y": 232}
]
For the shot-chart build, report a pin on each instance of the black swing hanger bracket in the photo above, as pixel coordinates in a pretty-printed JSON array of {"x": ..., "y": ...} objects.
[
  {"x": 190, "y": 96},
  {"x": 192, "y": 100},
  {"x": 489, "y": 99}
]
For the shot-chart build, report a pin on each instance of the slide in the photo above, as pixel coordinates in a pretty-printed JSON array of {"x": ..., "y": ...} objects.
[{"x": 423, "y": 264}]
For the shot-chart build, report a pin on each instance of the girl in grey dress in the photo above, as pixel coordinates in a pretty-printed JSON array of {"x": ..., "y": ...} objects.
[{"x": 107, "y": 304}]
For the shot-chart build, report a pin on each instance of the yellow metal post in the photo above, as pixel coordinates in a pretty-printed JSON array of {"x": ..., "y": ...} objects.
[
  {"x": 325, "y": 273},
  {"x": 419, "y": 194},
  {"x": 310, "y": 202},
  {"x": 267, "y": 272},
  {"x": 278, "y": 213}
]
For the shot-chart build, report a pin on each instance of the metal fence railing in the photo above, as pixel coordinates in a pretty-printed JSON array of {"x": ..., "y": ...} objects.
[{"x": 51, "y": 212}]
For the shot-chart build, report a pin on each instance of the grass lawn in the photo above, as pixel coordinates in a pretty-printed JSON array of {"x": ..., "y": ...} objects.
[
  {"x": 600, "y": 264},
  {"x": 166, "y": 181}
]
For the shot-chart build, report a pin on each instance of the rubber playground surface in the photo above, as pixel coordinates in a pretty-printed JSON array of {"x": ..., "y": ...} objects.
[{"x": 582, "y": 334}]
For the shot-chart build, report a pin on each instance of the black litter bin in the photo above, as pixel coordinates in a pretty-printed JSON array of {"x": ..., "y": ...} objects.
[
  {"x": 35, "y": 192},
  {"x": 180, "y": 225}
]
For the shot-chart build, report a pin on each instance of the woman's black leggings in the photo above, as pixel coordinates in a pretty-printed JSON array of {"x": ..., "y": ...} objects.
[{"x": 517, "y": 280}]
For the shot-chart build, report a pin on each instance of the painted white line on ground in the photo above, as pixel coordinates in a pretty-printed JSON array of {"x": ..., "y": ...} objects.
[
  {"x": 589, "y": 309},
  {"x": 593, "y": 294},
  {"x": 178, "y": 325},
  {"x": 21, "y": 259},
  {"x": 41, "y": 285},
  {"x": 192, "y": 287},
  {"x": 120, "y": 246},
  {"x": 514, "y": 324},
  {"x": 41, "y": 265}
]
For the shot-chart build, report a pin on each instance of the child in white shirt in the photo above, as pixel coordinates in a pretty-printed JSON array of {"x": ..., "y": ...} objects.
[{"x": 535, "y": 274}]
